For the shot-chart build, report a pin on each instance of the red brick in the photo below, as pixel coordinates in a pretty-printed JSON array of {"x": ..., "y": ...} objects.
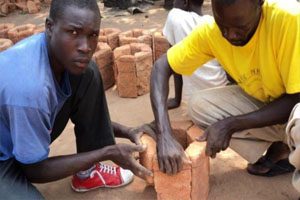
[
  {"x": 160, "y": 45},
  {"x": 5, "y": 44},
  {"x": 126, "y": 63},
  {"x": 32, "y": 7},
  {"x": 120, "y": 51},
  {"x": 135, "y": 36},
  {"x": 200, "y": 170},
  {"x": 4, "y": 28},
  {"x": 110, "y": 36},
  {"x": 193, "y": 133},
  {"x": 103, "y": 55},
  {"x": 126, "y": 84},
  {"x": 20, "y": 32},
  {"x": 180, "y": 131},
  {"x": 107, "y": 74},
  {"x": 146, "y": 157}
]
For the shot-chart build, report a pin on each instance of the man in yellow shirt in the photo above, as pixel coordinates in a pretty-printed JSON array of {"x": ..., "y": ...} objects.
[{"x": 258, "y": 44}]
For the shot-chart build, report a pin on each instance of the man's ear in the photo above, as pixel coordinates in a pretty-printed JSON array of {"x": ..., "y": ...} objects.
[{"x": 49, "y": 26}]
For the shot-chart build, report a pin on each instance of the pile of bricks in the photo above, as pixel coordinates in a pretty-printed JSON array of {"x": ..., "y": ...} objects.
[
  {"x": 160, "y": 45},
  {"x": 110, "y": 36},
  {"x": 133, "y": 64},
  {"x": 28, "y": 6},
  {"x": 104, "y": 59},
  {"x": 192, "y": 183},
  {"x": 20, "y": 32},
  {"x": 5, "y": 44},
  {"x": 136, "y": 36}
]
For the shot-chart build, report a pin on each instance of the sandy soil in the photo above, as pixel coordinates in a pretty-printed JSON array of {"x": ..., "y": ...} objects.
[{"x": 228, "y": 179}]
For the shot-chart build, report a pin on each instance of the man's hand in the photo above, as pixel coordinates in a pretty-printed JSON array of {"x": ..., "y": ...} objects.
[
  {"x": 170, "y": 155},
  {"x": 122, "y": 155},
  {"x": 218, "y": 137}
]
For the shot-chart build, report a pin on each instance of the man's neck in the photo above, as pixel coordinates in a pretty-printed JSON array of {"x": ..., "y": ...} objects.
[{"x": 195, "y": 9}]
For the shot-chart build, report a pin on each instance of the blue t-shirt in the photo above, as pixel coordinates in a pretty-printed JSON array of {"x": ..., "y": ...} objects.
[{"x": 30, "y": 99}]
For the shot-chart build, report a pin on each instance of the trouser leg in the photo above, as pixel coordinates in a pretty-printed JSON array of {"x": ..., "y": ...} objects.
[
  {"x": 87, "y": 109},
  {"x": 13, "y": 183},
  {"x": 209, "y": 106},
  {"x": 293, "y": 140}
]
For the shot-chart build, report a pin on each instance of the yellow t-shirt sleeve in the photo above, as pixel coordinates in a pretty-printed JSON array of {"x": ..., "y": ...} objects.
[
  {"x": 192, "y": 52},
  {"x": 289, "y": 54}
]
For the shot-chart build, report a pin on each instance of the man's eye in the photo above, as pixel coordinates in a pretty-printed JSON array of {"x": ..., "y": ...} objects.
[{"x": 73, "y": 32}]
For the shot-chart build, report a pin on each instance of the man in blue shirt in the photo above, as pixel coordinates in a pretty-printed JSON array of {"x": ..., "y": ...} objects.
[{"x": 46, "y": 80}]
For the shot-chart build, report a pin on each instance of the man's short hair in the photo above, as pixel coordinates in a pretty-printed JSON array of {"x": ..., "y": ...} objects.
[
  {"x": 58, "y": 6},
  {"x": 197, "y": 2}
]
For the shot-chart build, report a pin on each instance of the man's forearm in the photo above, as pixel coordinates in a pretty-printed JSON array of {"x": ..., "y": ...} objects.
[
  {"x": 159, "y": 91},
  {"x": 276, "y": 112},
  {"x": 120, "y": 130},
  {"x": 55, "y": 168}
]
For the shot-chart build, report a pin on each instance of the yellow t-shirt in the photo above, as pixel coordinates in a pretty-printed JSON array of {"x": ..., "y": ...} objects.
[{"x": 266, "y": 67}]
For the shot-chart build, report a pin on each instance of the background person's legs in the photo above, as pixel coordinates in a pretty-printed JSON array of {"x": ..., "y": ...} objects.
[
  {"x": 13, "y": 183},
  {"x": 209, "y": 106},
  {"x": 293, "y": 138}
]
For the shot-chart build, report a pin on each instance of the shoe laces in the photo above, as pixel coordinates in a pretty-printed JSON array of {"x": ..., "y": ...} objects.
[{"x": 108, "y": 169}]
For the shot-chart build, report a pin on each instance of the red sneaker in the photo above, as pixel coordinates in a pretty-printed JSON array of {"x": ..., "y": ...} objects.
[{"x": 103, "y": 176}]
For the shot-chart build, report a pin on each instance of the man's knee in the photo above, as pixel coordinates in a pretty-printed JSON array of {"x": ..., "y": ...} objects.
[{"x": 199, "y": 110}]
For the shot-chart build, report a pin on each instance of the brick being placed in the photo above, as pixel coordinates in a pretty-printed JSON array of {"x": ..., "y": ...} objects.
[
  {"x": 20, "y": 32},
  {"x": 5, "y": 44},
  {"x": 103, "y": 56},
  {"x": 136, "y": 36},
  {"x": 110, "y": 36},
  {"x": 160, "y": 45},
  {"x": 192, "y": 183},
  {"x": 133, "y": 64}
]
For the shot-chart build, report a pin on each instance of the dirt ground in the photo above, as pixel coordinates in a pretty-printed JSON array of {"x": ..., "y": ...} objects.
[{"x": 228, "y": 179}]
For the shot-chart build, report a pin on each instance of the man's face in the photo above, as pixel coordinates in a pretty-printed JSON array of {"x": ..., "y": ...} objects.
[
  {"x": 73, "y": 38},
  {"x": 238, "y": 21}
]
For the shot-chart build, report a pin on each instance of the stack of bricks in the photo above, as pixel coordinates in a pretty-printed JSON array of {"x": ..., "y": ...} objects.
[
  {"x": 192, "y": 183},
  {"x": 160, "y": 45},
  {"x": 103, "y": 56},
  {"x": 136, "y": 36},
  {"x": 5, "y": 44},
  {"x": 20, "y": 32},
  {"x": 4, "y": 28},
  {"x": 133, "y": 64},
  {"x": 110, "y": 36},
  {"x": 27, "y": 6}
]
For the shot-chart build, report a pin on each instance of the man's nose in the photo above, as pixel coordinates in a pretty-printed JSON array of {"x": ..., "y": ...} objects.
[{"x": 84, "y": 45}]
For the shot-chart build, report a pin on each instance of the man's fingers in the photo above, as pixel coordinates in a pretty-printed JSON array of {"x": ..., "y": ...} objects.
[
  {"x": 168, "y": 167},
  {"x": 137, "y": 138},
  {"x": 141, "y": 171},
  {"x": 226, "y": 144},
  {"x": 139, "y": 148},
  {"x": 174, "y": 166}
]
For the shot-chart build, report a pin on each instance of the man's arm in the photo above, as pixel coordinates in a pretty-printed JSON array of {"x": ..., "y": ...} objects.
[
  {"x": 175, "y": 102},
  {"x": 59, "y": 167},
  {"x": 276, "y": 112},
  {"x": 170, "y": 153}
]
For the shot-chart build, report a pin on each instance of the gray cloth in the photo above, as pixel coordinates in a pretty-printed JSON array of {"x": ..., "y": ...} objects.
[{"x": 211, "y": 105}]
